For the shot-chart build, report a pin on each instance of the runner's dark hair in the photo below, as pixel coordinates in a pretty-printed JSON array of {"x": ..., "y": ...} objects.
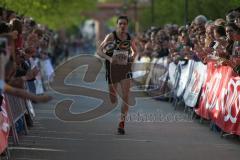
[{"x": 122, "y": 17}]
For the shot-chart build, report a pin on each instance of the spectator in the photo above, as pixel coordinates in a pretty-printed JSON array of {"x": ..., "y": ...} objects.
[
  {"x": 162, "y": 43},
  {"x": 230, "y": 30},
  {"x": 220, "y": 42},
  {"x": 16, "y": 25}
]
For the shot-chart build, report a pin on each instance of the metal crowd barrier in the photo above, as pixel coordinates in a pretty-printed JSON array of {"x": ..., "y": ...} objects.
[{"x": 16, "y": 110}]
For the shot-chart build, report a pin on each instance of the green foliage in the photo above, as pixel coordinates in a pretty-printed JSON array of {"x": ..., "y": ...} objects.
[
  {"x": 173, "y": 11},
  {"x": 54, "y": 13},
  {"x": 111, "y": 23},
  {"x": 66, "y": 13}
]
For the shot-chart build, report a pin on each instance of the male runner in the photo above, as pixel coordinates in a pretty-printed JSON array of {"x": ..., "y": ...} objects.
[{"x": 118, "y": 50}]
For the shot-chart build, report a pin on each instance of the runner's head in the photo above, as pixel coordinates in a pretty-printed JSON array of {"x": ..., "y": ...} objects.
[{"x": 122, "y": 24}]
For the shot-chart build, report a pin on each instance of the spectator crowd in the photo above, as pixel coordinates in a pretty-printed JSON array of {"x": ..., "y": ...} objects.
[{"x": 201, "y": 40}]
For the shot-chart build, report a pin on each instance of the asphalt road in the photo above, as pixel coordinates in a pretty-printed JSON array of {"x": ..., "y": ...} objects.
[{"x": 154, "y": 131}]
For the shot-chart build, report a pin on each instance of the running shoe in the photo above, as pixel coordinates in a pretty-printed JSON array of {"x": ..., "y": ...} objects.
[{"x": 121, "y": 130}]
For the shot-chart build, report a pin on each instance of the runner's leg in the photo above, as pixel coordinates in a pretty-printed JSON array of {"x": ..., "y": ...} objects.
[
  {"x": 113, "y": 92},
  {"x": 125, "y": 87}
]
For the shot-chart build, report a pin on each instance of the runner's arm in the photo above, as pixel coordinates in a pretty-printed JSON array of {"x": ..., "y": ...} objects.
[{"x": 100, "y": 52}]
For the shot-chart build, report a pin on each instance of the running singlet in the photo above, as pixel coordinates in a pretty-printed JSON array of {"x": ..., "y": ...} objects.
[{"x": 121, "y": 52}]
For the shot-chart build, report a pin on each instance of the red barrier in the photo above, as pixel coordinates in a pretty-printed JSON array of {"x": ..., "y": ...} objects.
[
  {"x": 4, "y": 127},
  {"x": 228, "y": 118},
  {"x": 217, "y": 85},
  {"x": 201, "y": 110},
  {"x": 220, "y": 98}
]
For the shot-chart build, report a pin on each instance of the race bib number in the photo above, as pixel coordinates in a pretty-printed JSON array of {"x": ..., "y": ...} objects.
[{"x": 121, "y": 57}]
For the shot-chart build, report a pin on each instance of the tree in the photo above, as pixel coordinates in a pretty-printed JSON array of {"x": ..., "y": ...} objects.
[
  {"x": 172, "y": 11},
  {"x": 54, "y": 13}
]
